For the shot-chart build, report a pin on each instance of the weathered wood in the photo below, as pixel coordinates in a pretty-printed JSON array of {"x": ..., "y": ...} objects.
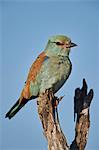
[
  {"x": 48, "y": 113},
  {"x": 47, "y": 109},
  {"x": 82, "y": 102}
]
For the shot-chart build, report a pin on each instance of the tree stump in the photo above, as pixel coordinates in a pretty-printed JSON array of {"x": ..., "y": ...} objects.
[{"x": 48, "y": 113}]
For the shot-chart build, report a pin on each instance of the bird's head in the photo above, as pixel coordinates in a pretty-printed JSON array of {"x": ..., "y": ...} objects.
[{"x": 59, "y": 45}]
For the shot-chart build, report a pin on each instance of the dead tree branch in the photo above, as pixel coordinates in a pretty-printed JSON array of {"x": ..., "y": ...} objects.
[
  {"x": 48, "y": 113},
  {"x": 82, "y": 102},
  {"x": 47, "y": 109}
]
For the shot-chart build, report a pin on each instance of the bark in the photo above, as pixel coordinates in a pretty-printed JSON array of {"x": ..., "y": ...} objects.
[
  {"x": 82, "y": 102},
  {"x": 47, "y": 109},
  {"x": 48, "y": 113}
]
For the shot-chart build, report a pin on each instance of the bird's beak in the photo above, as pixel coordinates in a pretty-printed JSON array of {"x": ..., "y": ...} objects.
[{"x": 72, "y": 44}]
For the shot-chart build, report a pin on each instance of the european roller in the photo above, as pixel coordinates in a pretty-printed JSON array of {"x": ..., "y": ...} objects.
[{"x": 51, "y": 69}]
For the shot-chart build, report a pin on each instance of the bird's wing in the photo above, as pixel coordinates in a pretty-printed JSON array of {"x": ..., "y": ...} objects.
[{"x": 34, "y": 70}]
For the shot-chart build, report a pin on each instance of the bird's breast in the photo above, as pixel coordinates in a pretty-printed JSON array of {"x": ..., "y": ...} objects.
[
  {"x": 54, "y": 73},
  {"x": 64, "y": 70}
]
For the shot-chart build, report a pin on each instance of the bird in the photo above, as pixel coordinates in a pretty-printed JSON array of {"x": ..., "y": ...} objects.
[{"x": 50, "y": 70}]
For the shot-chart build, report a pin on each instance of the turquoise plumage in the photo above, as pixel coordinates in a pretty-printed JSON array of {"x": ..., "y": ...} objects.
[{"x": 50, "y": 70}]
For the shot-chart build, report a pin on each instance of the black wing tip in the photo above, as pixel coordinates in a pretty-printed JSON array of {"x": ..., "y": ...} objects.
[{"x": 8, "y": 116}]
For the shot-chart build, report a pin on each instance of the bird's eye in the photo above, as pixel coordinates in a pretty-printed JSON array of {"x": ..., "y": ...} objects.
[{"x": 58, "y": 43}]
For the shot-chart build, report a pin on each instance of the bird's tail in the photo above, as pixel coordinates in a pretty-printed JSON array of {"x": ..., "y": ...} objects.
[{"x": 16, "y": 107}]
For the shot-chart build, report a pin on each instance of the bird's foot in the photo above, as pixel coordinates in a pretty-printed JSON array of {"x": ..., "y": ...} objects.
[{"x": 55, "y": 102}]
